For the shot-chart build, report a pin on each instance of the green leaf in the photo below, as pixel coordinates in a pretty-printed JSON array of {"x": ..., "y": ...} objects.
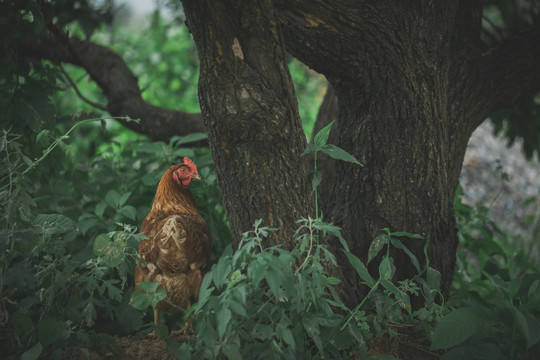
[
  {"x": 52, "y": 224},
  {"x": 128, "y": 211},
  {"x": 360, "y": 268},
  {"x": 112, "y": 198},
  {"x": 399, "y": 295},
  {"x": 124, "y": 198},
  {"x": 386, "y": 268},
  {"x": 433, "y": 278},
  {"x": 458, "y": 326},
  {"x": 112, "y": 252},
  {"x": 322, "y": 136},
  {"x": 339, "y": 154},
  {"x": 376, "y": 246},
  {"x": 33, "y": 353},
  {"x": 43, "y": 133},
  {"x": 51, "y": 330},
  {"x": 406, "y": 234},
  {"x": 399, "y": 245},
  {"x": 232, "y": 352},
  {"x": 223, "y": 317},
  {"x": 193, "y": 137},
  {"x": 149, "y": 296},
  {"x": 316, "y": 178},
  {"x": 86, "y": 222},
  {"x": 522, "y": 325},
  {"x": 100, "y": 209},
  {"x": 221, "y": 271},
  {"x": 311, "y": 148}
]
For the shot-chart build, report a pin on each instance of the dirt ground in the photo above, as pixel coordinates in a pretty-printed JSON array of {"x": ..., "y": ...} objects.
[{"x": 402, "y": 346}]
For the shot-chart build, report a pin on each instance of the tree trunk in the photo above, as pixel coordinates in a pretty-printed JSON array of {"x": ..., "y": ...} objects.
[
  {"x": 251, "y": 113},
  {"x": 412, "y": 84},
  {"x": 403, "y": 112}
]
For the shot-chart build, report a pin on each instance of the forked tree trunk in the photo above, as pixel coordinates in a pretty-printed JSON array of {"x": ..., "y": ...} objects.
[{"x": 412, "y": 84}]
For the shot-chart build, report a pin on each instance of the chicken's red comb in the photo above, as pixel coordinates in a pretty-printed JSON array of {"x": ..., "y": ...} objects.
[{"x": 190, "y": 163}]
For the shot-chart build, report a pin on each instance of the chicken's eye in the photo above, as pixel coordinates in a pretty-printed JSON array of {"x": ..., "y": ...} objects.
[{"x": 183, "y": 170}]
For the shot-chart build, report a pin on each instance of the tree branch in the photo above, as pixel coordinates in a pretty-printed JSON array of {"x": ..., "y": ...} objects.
[
  {"x": 118, "y": 83},
  {"x": 511, "y": 70}
]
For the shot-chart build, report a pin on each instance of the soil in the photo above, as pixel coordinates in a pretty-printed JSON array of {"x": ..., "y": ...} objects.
[{"x": 402, "y": 344}]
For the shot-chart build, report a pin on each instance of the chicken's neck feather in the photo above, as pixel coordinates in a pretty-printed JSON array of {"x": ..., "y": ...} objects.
[{"x": 172, "y": 198}]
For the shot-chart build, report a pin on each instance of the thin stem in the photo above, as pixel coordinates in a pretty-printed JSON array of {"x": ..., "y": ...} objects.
[
  {"x": 375, "y": 286},
  {"x": 59, "y": 140},
  {"x": 316, "y": 201}
]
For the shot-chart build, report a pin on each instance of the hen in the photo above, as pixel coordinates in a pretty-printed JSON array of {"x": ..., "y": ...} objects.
[{"x": 178, "y": 240}]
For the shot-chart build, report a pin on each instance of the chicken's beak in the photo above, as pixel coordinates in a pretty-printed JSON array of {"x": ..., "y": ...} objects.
[{"x": 196, "y": 176}]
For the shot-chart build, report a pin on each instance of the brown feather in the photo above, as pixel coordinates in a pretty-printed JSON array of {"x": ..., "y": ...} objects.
[{"x": 177, "y": 245}]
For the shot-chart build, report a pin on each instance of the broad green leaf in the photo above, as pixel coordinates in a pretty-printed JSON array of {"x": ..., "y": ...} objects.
[
  {"x": 221, "y": 271},
  {"x": 433, "y": 278},
  {"x": 128, "y": 211},
  {"x": 316, "y": 178},
  {"x": 124, "y": 198},
  {"x": 339, "y": 154},
  {"x": 52, "y": 224},
  {"x": 458, "y": 326},
  {"x": 360, "y": 268},
  {"x": 288, "y": 337},
  {"x": 237, "y": 308},
  {"x": 149, "y": 286},
  {"x": 376, "y": 246},
  {"x": 322, "y": 136},
  {"x": 522, "y": 325},
  {"x": 149, "y": 296},
  {"x": 140, "y": 300},
  {"x": 112, "y": 198},
  {"x": 112, "y": 252},
  {"x": 33, "y": 353},
  {"x": 223, "y": 317},
  {"x": 232, "y": 352},
  {"x": 399, "y": 245},
  {"x": 100, "y": 208},
  {"x": 86, "y": 222},
  {"x": 386, "y": 268}
]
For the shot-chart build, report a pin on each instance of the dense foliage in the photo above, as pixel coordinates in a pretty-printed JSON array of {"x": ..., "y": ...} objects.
[{"x": 75, "y": 186}]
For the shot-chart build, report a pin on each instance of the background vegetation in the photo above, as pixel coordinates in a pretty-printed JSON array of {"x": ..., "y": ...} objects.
[{"x": 75, "y": 187}]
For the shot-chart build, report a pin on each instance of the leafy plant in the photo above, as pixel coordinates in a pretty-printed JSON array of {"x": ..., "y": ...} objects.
[
  {"x": 495, "y": 295},
  {"x": 268, "y": 303}
]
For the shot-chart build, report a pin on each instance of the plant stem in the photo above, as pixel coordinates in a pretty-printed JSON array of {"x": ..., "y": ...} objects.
[{"x": 316, "y": 200}]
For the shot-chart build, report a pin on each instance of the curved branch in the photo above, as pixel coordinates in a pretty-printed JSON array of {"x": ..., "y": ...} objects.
[
  {"x": 79, "y": 93},
  {"x": 510, "y": 70},
  {"x": 118, "y": 83}
]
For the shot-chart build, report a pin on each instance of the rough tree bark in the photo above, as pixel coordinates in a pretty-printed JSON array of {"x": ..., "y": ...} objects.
[
  {"x": 250, "y": 111},
  {"x": 412, "y": 84}
]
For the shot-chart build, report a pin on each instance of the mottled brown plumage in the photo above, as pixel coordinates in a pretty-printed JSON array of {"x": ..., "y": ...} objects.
[{"x": 178, "y": 240}]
